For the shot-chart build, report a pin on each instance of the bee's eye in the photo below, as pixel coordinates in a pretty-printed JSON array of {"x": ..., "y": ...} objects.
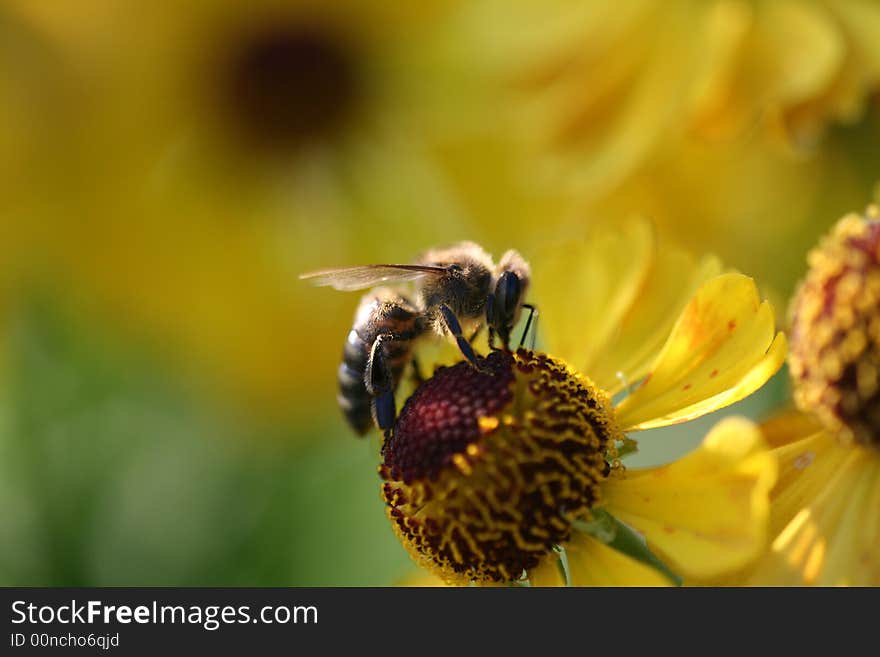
[
  {"x": 507, "y": 293},
  {"x": 454, "y": 268}
]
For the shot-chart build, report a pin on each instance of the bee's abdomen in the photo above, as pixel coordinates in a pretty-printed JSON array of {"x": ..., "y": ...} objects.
[
  {"x": 353, "y": 398},
  {"x": 395, "y": 319}
]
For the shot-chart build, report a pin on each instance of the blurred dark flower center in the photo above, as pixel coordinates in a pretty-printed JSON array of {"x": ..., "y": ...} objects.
[{"x": 292, "y": 84}]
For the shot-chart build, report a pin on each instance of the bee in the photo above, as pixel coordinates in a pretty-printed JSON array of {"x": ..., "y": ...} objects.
[{"x": 455, "y": 292}]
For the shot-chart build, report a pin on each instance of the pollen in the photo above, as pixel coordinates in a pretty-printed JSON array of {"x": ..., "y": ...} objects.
[
  {"x": 487, "y": 425},
  {"x": 486, "y": 469},
  {"x": 835, "y": 331}
]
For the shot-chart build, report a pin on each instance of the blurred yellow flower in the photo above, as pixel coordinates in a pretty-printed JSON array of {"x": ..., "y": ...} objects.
[
  {"x": 718, "y": 198},
  {"x": 826, "y": 504},
  {"x": 601, "y": 87},
  {"x": 215, "y": 150},
  {"x": 710, "y": 117},
  {"x": 824, "y": 526},
  {"x": 30, "y": 88},
  {"x": 515, "y": 473}
]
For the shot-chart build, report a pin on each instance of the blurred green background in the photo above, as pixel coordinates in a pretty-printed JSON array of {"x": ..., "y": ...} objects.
[{"x": 168, "y": 413}]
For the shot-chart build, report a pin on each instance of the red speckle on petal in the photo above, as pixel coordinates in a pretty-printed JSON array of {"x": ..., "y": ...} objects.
[
  {"x": 686, "y": 386},
  {"x": 731, "y": 325},
  {"x": 713, "y": 374},
  {"x": 668, "y": 529}
]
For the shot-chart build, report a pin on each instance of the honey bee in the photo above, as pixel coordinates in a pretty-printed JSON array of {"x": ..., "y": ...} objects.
[{"x": 455, "y": 292}]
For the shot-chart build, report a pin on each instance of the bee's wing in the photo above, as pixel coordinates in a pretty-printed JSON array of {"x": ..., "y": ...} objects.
[{"x": 359, "y": 278}]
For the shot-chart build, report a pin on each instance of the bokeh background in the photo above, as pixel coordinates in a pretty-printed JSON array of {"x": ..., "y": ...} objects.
[{"x": 167, "y": 412}]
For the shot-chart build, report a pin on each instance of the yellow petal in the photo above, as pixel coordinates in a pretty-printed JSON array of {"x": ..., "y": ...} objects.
[
  {"x": 717, "y": 111},
  {"x": 559, "y": 101},
  {"x": 721, "y": 349},
  {"x": 583, "y": 288},
  {"x": 592, "y": 563},
  {"x": 805, "y": 47},
  {"x": 672, "y": 280},
  {"x": 547, "y": 573},
  {"x": 635, "y": 120},
  {"x": 421, "y": 579},
  {"x": 798, "y": 53},
  {"x": 705, "y": 514},
  {"x": 862, "y": 21},
  {"x": 789, "y": 426},
  {"x": 832, "y": 540},
  {"x": 805, "y": 466}
]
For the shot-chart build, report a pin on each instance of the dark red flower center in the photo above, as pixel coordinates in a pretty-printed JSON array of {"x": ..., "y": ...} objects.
[
  {"x": 442, "y": 417},
  {"x": 486, "y": 469}
]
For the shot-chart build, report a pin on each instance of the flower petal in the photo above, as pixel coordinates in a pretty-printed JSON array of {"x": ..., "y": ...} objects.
[
  {"x": 705, "y": 514},
  {"x": 642, "y": 115},
  {"x": 592, "y": 563},
  {"x": 789, "y": 426},
  {"x": 726, "y": 27},
  {"x": 832, "y": 540},
  {"x": 584, "y": 288},
  {"x": 672, "y": 281},
  {"x": 721, "y": 349},
  {"x": 862, "y": 21},
  {"x": 421, "y": 579},
  {"x": 547, "y": 573},
  {"x": 808, "y": 52},
  {"x": 805, "y": 467}
]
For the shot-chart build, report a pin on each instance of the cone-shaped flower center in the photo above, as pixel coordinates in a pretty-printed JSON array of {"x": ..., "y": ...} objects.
[
  {"x": 485, "y": 470},
  {"x": 835, "y": 335}
]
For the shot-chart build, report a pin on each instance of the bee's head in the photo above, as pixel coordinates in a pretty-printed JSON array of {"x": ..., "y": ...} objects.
[{"x": 505, "y": 302}]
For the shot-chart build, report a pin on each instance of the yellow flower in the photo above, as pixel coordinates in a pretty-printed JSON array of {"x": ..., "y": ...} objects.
[
  {"x": 601, "y": 87},
  {"x": 514, "y": 471},
  {"x": 214, "y": 150},
  {"x": 826, "y": 505}
]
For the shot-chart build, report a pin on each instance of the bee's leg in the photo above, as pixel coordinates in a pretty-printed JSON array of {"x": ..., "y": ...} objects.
[
  {"x": 490, "y": 319},
  {"x": 534, "y": 328},
  {"x": 380, "y": 384},
  {"x": 490, "y": 322},
  {"x": 533, "y": 315},
  {"x": 454, "y": 327}
]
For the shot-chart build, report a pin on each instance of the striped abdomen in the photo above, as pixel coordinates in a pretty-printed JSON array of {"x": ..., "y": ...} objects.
[{"x": 380, "y": 313}]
